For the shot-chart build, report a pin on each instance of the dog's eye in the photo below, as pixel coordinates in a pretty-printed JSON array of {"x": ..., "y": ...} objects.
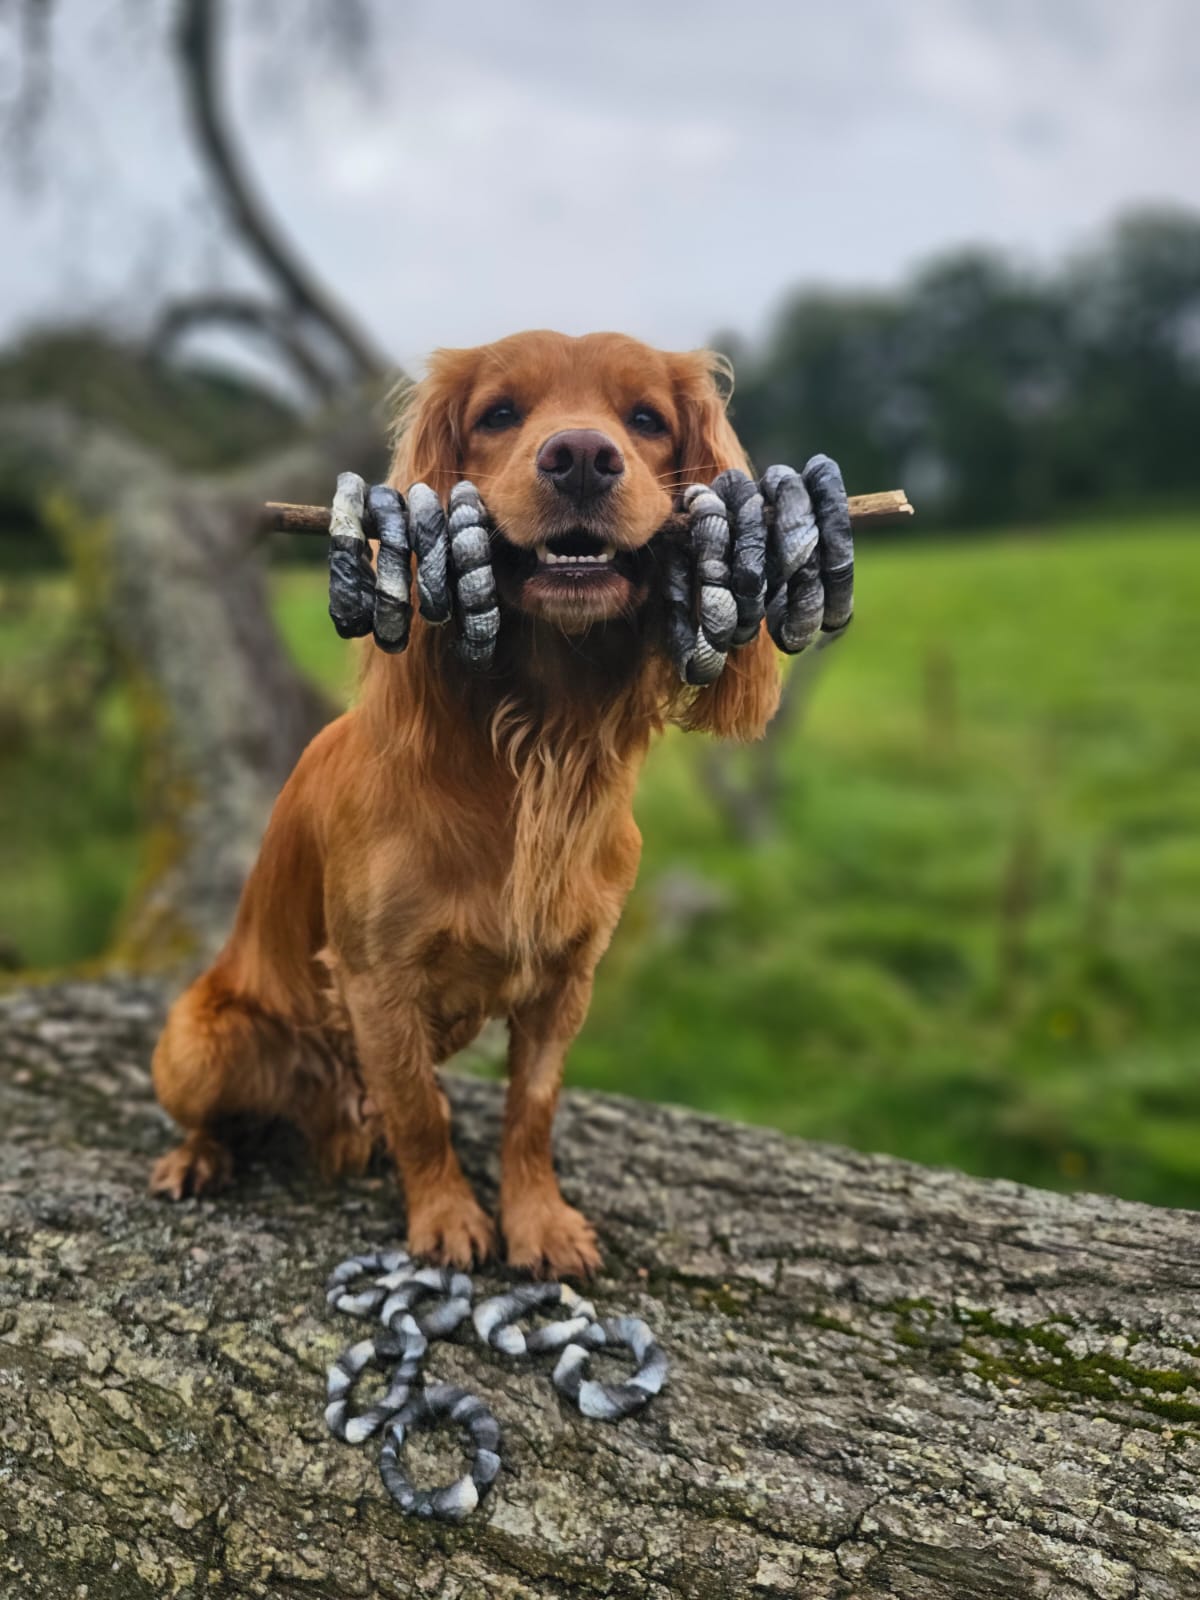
[
  {"x": 644, "y": 419},
  {"x": 503, "y": 414}
]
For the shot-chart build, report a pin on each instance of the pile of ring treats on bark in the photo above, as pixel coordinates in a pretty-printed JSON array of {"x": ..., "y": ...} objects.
[{"x": 417, "y": 1305}]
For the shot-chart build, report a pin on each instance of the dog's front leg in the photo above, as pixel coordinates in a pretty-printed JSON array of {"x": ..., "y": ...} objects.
[
  {"x": 542, "y": 1232},
  {"x": 395, "y": 1053}
]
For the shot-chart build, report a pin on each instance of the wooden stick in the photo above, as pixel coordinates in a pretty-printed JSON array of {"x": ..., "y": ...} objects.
[
  {"x": 888, "y": 505},
  {"x": 866, "y": 511}
]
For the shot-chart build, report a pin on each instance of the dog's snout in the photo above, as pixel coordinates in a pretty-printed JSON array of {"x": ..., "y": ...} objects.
[{"x": 582, "y": 463}]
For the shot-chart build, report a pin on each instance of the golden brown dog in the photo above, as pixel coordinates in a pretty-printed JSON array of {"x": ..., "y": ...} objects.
[{"x": 459, "y": 847}]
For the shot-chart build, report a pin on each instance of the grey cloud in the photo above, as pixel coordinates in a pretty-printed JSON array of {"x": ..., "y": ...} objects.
[{"x": 668, "y": 169}]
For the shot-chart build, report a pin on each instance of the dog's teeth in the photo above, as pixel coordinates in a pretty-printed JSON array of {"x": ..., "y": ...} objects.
[{"x": 547, "y": 557}]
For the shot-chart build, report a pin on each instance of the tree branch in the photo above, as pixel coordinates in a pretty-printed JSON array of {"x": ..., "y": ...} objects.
[
  {"x": 197, "y": 37},
  {"x": 276, "y": 324}
]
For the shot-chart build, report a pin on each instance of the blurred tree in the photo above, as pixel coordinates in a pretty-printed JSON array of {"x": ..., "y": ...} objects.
[
  {"x": 989, "y": 391},
  {"x": 298, "y": 318},
  {"x": 994, "y": 393},
  {"x": 1133, "y": 314},
  {"x": 110, "y": 452},
  {"x": 312, "y": 328}
]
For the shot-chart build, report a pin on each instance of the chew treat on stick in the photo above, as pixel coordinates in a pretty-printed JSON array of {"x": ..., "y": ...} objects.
[
  {"x": 388, "y": 520},
  {"x": 427, "y": 523},
  {"x": 783, "y": 548},
  {"x": 478, "y": 609},
  {"x": 823, "y": 480},
  {"x": 796, "y": 596},
  {"x": 748, "y": 575},
  {"x": 351, "y": 580}
]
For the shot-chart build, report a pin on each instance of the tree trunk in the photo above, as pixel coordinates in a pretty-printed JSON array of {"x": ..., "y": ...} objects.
[
  {"x": 885, "y": 1380},
  {"x": 178, "y": 571}
]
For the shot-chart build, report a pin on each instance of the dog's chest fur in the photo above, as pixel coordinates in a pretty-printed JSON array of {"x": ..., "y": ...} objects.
[{"x": 473, "y": 907}]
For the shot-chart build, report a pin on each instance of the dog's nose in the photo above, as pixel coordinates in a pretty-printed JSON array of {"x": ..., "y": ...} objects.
[{"x": 582, "y": 463}]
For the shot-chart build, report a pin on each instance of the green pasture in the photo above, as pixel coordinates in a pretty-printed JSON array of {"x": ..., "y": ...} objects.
[{"x": 972, "y": 934}]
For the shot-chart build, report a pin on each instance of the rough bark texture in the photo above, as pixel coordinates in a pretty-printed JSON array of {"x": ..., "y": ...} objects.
[{"x": 886, "y": 1380}]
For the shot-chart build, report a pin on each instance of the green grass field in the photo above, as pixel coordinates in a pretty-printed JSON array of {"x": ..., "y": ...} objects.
[{"x": 975, "y": 935}]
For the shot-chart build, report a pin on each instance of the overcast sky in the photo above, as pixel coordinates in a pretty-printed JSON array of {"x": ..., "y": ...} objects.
[{"x": 667, "y": 169}]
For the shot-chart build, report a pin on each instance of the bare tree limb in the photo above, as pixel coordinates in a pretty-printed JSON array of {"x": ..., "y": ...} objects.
[
  {"x": 197, "y": 40},
  {"x": 27, "y": 110},
  {"x": 277, "y": 325}
]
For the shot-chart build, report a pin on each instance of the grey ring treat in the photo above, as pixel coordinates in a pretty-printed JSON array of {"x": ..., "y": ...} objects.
[
  {"x": 716, "y": 608},
  {"x": 697, "y": 652},
  {"x": 388, "y": 520},
  {"x": 400, "y": 1292},
  {"x": 407, "y": 1346},
  {"x": 677, "y": 590},
  {"x": 371, "y": 1264},
  {"x": 823, "y": 480},
  {"x": 404, "y": 1291},
  {"x": 457, "y": 1500},
  {"x": 783, "y": 548},
  {"x": 608, "y": 1402},
  {"x": 748, "y": 566},
  {"x": 796, "y": 596},
  {"x": 351, "y": 579},
  {"x": 427, "y": 527},
  {"x": 474, "y": 581},
  {"x": 494, "y": 1318}
]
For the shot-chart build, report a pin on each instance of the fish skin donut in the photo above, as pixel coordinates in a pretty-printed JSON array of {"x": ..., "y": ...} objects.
[
  {"x": 420, "y": 1304},
  {"x": 701, "y": 612},
  {"x": 456, "y": 1501},
  {"x": 406, "y": 1347},
  {"x": 716, "y": 608},
  {"x": 387, "y": 517},
  {"x": 450, "y": 1291},
  {"x": 351, "y": 578},
  {"x": 609, "y": 1402},
  {"x": 782, "y": 548},
  {"x": 430, "y": 540},
  {"x": 372, "y": 1263},
  {"x": 748, "y": 565},
  {"x": 795, "y": 593},
  {"x": 477, "y": 606},
  {"x": 494, "y": 1318},
  {"x": 823, "y": 480}
]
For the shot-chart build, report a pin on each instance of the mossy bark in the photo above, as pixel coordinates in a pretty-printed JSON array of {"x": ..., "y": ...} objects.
[{"x": 885, "y": 1380}]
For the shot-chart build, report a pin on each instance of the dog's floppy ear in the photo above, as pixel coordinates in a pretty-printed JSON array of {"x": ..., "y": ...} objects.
[
  {"x": 429, "y": 423},
  {"x": 745, "y": 697},
  {"x": 707, "y": 442}
]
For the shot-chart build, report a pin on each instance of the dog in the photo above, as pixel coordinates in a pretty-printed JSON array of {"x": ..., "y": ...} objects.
[{"x": 459, "y": 846}]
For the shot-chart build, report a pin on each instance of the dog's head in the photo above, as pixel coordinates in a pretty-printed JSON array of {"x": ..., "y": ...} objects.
[{"x": 579, "y": 448}]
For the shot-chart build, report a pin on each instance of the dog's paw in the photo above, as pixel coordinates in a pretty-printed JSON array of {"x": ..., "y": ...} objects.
[
  {"x": 452, "y": 1230},
  {"x": 200, "y": 1165},
  {"x": 549, "y": 1238},
  {"x": 349, "y": 1144}
]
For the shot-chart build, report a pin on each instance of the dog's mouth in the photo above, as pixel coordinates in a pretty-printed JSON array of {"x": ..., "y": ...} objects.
[
  {"x": 577, "y": 553},
  {"x": 574, "y": 577},
  {"x": 576, "y": 549}
]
